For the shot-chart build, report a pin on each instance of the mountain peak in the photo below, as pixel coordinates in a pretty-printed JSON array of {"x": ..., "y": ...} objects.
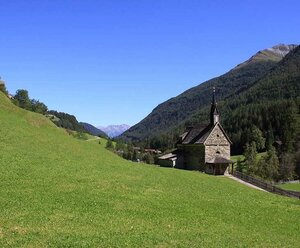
[
  {"x": 114, "y": 130},
  {"x": 275, "y": 53},
  {"x": 281, "y": 49}
]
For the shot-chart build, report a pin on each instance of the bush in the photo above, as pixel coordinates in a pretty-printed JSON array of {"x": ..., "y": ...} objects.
[
  {"x": 109, "y": 144},
  {"x": 239, "y": 165},
  {"x": 81, "y": 136},
  {"x": 148, "y": 158}
]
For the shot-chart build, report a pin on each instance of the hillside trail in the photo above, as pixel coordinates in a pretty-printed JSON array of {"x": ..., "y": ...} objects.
[
  {"x": 243, "y": 182},
  {"x": 95, "y": 138}
]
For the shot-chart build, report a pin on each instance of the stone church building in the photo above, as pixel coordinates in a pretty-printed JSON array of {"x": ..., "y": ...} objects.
[{"x": 204, "y": 148}]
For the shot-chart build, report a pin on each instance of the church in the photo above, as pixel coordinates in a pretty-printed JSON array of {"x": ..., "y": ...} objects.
[{"x": 203, "y": 148}]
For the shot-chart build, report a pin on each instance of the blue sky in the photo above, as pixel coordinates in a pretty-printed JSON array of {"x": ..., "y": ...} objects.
[{"x": 112, "y": 62}]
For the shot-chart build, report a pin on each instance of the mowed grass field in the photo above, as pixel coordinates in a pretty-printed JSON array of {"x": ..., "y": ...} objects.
[
  {"x": 57, "y": 191},
  {"x": 290, "y": 186}
]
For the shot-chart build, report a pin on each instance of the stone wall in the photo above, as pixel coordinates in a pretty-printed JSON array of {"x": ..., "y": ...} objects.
[
  {"x": 212, "y": 151},
  {"x": 217, "y": 144},
  {"x": 216, "y": 137}
]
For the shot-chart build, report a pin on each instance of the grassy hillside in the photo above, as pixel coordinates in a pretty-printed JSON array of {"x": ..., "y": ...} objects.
[{"x": 58, "y": 191}]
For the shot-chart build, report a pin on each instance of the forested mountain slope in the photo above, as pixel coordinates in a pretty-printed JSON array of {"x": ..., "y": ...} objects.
[
  {"x": 93, "y": 130},
  {"x": 175, "y": 112},
  {"x": 272, "y": 104}
]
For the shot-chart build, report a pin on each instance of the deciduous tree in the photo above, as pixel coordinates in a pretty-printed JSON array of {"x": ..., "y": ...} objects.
[
  {"x": 23, "y": 99},
  {"x": 38, "y": 107},
  {"x": 2, "y": 87}
]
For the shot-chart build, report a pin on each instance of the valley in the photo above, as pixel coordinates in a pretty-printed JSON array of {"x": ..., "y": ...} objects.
[{"x": 60, "y": 191}]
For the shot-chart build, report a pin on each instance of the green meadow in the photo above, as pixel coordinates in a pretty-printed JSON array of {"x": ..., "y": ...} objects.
[
  {"x": 290, "y": 186},
  {"x": 59, "y": 191}
]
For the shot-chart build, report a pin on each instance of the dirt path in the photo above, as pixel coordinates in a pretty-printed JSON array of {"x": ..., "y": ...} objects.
[
  {"x": 96, "y": 138},
  {"x": 243, "y": 182}
]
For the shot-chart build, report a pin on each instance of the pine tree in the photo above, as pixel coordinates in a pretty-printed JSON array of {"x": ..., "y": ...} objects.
[
  {"x": 257, "y": 137},
  {"x": 287, "y": 167},
  {"x": 269, "y": 165},
  {"x": 250, "y": 157},
  {"x": 270, "y": 137}
]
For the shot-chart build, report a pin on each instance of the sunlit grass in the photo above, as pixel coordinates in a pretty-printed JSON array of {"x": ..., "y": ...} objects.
[
  {"x": 57, "y": 191},
  {"x": 290, "y": 186}
]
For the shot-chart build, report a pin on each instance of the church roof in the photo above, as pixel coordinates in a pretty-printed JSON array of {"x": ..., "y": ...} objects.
[
  {"x": 198, "y": 134},
  {"x": 192, "y": 133}
]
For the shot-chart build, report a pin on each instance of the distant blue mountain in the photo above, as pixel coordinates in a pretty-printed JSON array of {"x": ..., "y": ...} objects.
[{"x": 114, "y": 130}]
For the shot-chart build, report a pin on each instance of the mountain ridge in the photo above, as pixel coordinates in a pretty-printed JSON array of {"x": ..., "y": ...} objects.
[
  {"x": 92, "y": 129},
  {"x": 177, "y": 110},
  {"x": 275, "y": 53}
]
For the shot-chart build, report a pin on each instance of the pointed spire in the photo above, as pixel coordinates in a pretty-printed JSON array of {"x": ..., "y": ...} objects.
[
  {"x": 214, "y": 96},
  {"x": 214, "y": 113}
]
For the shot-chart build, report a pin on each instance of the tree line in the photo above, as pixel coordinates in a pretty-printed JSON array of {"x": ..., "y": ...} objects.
[
  {"x": 21, "y": 99},
  {"x": 61, "y": 119},
  {"x": 130, "y": 152}
]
